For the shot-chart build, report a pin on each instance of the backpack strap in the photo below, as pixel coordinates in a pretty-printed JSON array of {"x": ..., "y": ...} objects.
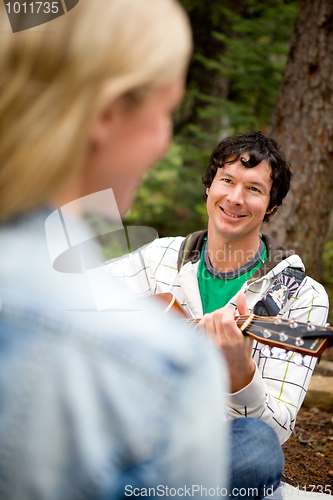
[
  {"x": 190, "y": 249},
  {"x": 283, "y": 288}
]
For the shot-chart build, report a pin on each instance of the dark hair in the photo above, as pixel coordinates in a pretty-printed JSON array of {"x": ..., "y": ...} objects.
[{"x": 259, "y": 148}]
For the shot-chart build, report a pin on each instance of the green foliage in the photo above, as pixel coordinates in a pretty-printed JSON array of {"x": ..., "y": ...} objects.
[
  {"x": 171, "y": 200},
  {"x": 239, "y": 57},
  {"x": 253, "y": 60}
]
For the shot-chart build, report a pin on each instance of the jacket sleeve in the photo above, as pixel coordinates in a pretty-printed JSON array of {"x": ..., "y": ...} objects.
[
  {"x": 278, "y": 387},
  {"x": 150, "y": 270},
  {"x": 133, "y": 271}
]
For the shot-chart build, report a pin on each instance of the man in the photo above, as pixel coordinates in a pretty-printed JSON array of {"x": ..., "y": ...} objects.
[{"x": 246, "y": 180}]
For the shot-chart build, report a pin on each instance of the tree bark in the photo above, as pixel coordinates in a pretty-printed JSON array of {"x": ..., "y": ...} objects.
[{"x": 303, "y": 126}]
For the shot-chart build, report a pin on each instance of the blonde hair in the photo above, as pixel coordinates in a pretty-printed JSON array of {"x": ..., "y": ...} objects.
[{"x": 55, "y": 79}]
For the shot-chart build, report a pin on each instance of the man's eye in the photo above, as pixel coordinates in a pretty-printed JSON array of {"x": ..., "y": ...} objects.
[
  {"x": 228, "y": 181},
  {"x": 256, "y": 190}
]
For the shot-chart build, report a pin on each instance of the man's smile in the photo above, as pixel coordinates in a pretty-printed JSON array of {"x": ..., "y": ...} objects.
[{"x": 235, "y": 216}]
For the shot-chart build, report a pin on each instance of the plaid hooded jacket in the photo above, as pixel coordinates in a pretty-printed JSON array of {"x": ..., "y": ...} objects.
[{"x": 278, "y": 387}]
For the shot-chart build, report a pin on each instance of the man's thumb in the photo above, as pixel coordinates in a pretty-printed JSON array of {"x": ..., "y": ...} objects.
[{"x": 241, "y": 305}]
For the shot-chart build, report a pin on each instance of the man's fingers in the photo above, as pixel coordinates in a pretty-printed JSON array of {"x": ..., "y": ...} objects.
[{"x": 221, "y": 325}]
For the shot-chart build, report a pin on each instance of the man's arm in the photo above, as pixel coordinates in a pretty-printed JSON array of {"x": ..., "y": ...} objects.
[
  {"x": 278, "y": 387},
  {"x": 149, "y": 270},
  {"x": 236, "y": 347}
]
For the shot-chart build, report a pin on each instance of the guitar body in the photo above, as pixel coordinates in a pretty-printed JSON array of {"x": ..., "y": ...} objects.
[
  {"x": 304, "y": 338},
  {"x": 171, "y": 304}
]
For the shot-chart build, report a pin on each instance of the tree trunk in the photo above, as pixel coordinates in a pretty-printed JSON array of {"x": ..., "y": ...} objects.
[{"x": 303, "y": 126}]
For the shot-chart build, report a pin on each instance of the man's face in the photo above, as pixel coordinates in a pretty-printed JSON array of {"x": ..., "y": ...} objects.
[{"x": 238, "y": 199}]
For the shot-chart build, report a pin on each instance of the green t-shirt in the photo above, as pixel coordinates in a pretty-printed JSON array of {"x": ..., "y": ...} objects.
[{"x": 216, "y": 289}]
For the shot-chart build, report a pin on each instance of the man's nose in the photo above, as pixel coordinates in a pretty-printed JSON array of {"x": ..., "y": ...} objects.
[{"x": 236, "y": 195}]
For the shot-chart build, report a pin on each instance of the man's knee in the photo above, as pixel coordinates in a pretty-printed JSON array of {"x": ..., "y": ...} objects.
[
  {"x": 258, "y": 440},
  {"x": 256, "y": 454}
]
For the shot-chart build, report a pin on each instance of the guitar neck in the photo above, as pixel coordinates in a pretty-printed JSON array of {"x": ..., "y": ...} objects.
[{"x": 304, "y": 338}]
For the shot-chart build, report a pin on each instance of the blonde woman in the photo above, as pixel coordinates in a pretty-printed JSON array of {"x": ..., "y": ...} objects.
[{"x": 93, "y": 404}]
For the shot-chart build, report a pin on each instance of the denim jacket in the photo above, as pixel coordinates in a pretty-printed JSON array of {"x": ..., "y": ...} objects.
[{"x": 99, "y": 404}]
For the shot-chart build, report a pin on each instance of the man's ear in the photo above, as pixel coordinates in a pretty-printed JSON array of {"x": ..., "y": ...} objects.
[
  {"x": 207, "y": 191},
  {"x": 270, "y": 210}
]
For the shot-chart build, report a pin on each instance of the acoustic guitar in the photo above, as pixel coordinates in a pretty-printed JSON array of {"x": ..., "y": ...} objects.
[{"x": 289, "y": 335}]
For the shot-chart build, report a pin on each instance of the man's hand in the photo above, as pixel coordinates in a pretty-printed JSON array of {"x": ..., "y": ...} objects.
[{"x": 237, "y": 348}]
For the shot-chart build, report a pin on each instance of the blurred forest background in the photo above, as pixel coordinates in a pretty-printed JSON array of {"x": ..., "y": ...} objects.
[{"x": 257, "y": 64}]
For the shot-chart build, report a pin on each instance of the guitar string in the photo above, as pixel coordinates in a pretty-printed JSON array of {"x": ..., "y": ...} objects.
[{"x": 256, "y": 330}]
